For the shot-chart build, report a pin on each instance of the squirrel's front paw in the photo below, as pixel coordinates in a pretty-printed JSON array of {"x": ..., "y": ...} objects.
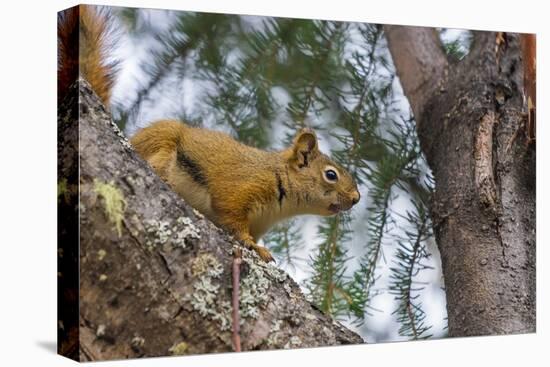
[
  {"x": 261, "y": 251},
  {"x": 264, "y": 254}
]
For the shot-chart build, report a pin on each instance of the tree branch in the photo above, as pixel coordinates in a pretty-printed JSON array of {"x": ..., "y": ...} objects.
[
  {"x": 484, "y": 182},
  {"x": 155, "y": 277},
  {"x": 420, "y": 62}
]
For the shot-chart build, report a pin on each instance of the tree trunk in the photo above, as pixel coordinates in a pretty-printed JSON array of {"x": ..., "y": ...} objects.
[
  {"x": 471, "y": 124},
  {"x": 155, "y": 276}
]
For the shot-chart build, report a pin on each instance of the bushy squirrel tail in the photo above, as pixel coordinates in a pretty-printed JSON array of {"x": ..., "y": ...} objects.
[{"x": 85, "y": 39}]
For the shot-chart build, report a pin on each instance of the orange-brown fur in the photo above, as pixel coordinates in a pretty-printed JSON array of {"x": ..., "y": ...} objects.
[
  {"x": 84, "y": 41},
  {"x": 242, "y": 188}
]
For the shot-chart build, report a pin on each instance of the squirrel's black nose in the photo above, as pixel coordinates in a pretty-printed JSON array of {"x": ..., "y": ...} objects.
[{"x": 355, "y": 198}]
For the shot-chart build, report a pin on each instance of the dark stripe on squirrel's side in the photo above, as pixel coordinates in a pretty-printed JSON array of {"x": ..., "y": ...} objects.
[
  {"x": 191, "y": 167},
  {"x": 305, "y": 154},
  {"x": 280, "y": 187}
]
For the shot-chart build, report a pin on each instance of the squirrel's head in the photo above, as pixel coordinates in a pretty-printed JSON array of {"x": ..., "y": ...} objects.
[{"x": 325, "y": 187}]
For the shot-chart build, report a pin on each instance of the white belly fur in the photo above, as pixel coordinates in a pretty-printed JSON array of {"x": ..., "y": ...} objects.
[
  {"x": 194, "y": 194},
  {"x": 264, "y": 218}
]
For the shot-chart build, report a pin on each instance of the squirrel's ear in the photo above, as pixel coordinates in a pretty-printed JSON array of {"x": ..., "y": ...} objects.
[{"x": 305, "y": 147}]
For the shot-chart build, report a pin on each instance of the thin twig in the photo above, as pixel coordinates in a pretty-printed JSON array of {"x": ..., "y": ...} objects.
[{"x": 237, "y": 259}]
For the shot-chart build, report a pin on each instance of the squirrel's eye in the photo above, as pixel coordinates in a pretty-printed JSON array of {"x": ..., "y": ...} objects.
[{"x": 331, "y": 175}]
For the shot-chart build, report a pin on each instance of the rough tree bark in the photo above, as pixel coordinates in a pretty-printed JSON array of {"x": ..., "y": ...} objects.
[
  {"x": 471, "y": 124},
  {"x": 155, "y": 276}
]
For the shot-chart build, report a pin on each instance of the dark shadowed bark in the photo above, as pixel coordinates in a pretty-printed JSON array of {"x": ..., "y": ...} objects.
[
  {"x": 155, "y": 276},
  {"x": 471, "y": 123}
]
